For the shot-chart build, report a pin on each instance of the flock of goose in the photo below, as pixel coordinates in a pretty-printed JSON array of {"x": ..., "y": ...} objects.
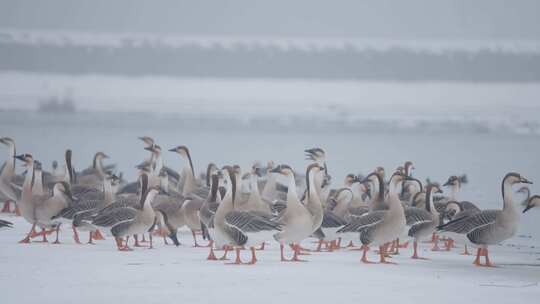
[{"x": 237, "y": 211}]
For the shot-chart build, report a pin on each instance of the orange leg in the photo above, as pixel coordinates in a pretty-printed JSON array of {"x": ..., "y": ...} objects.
[
  {"x": 382, "y": 253},
  {"x": 26, "y": 240},
  {"x": 211, "y": 255},
  {"x": 237, "y": 261},
  {"x": 488, "y": 263},
  {"x": 415, "y": 254},
  {"x": 319, "y": 246},
  {"x": 478, "y": 254},
  {"x": 333, "y": 246},
  {"x": 224, "y": 257},
  {"x": 144, "y": 239},
  {"x": 350, "y": 244},
  {"x": 262, "y": 246},
  {"x": 436, "y": 244},
  {"x": 98, "y": 235},
  {"x": 465, "y": 251},
  {"x": 17, "y": 210},
  {"x": 364, "y": 259},
  {"x": 125, "y": 247},
  {"x": 151, "y": 241},
  {"x": 7, "y": 207},
  {"x": 43, "y": 234},
  {"x": 137, "y": 244},
  {"x": 75, "y": 235},
  {"x": 404, "y": 245},
  {"x": 253, "y": 257},
  {"x": 296, "y": 253}
]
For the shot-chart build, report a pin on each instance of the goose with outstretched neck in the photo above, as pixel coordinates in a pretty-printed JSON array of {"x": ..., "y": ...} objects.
[
  {"x": 422, "y": 222},
  {"x": 297, "y": 220},
  {"x": 490, "y": 227},
  {"x": 380, "y": 227},
  {"x": 241, "y": 228},
  {"x": 130, "y": 221}
]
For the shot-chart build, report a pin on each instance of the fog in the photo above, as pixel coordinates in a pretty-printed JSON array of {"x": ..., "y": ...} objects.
[{"x": 413, "y": 19}]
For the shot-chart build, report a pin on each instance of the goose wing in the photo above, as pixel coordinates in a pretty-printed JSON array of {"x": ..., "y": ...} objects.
[
  {"x": 368, "y": 220},
  {"x": 250, "y": 222},
  {"x": 466, "y": 224},
  {"x": 415, "y": 215},
  {"x": 115, "y": 217},
  {"x": 331, "y": 220}
]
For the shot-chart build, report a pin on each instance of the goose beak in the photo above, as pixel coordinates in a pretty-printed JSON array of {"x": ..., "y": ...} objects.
[
  {"x": 527, "y": 208},
  {"x": 439, "y": 191},
  {"x": 276, "y": 170},
  {"x": 173, "y": 150},
  {"x": 525, "y": 181},
  {"x": 19, "y": 157},
  {"x": 446, "y": 184}
]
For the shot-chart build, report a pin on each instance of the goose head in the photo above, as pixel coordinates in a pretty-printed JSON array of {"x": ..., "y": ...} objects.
[
  {"x": 27, "y": 159},
  {"x": 513, "y": 178},
  {"x": 184, "y": 153},
  {"x": 534, "y": 201},
  {"x": 315, "y": 154},
  {"x": 350, "y": 179},
  {"x": 7, "y": 141},
  {"x": 149, "y": 141},
  {"x": 229, "y": 175},
  {"x": 155, "y": 149},
  {"x": 257, "y": 169},
  {"x": 284, "y": 170},
  {"x": 408, "y": 168}
]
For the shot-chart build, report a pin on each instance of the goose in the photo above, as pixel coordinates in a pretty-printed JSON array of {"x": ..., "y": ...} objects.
[
  {"x": 207, "y": 213},
  {"x": 422, "y": 222},
  {"x": 25, "y": 202},
  {"x": 47, "y": 210},
  {"x": 89, "y": 206},
  {"x": 380, "y": 227},
  {"x": 128, "y": 221},
  {"x": 5, "y": 224},
  {"x": 149, "y": 142},
  {"x": 241, "y": 228},
  {"x": 313, "y": 204},
  {"x": 254, "y": 202},
  {"x": 94, "y": 175},
  {"x": 490, "y": 227},
  {"x": 534, "y": 201},
  {"x": 455, "y": 182},
  {"x": 8, "y": 193},
  {"x": 455, "y": 210},
  {"x": 323, "y": 180},
  {"x": 169, "y": 202},
  {"x": 192, "y": 193},
  {"x": 296, "y": 219}
]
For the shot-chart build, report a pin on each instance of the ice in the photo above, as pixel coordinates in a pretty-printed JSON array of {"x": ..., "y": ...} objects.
[{"x": 48, "y": 273}]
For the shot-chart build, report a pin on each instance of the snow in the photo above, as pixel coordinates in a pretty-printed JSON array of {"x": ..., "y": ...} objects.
[{"x": 47, "y": 273}]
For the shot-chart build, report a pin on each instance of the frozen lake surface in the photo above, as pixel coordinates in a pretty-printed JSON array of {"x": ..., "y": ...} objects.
[{"x": 48, "y": 273}]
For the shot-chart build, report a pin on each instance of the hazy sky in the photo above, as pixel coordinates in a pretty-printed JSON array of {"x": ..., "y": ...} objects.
[{"x": 443, "y": 19}]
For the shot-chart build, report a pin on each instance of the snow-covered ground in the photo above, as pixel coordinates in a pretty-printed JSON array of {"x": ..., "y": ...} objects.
[{"x": 47, "y": 273}]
